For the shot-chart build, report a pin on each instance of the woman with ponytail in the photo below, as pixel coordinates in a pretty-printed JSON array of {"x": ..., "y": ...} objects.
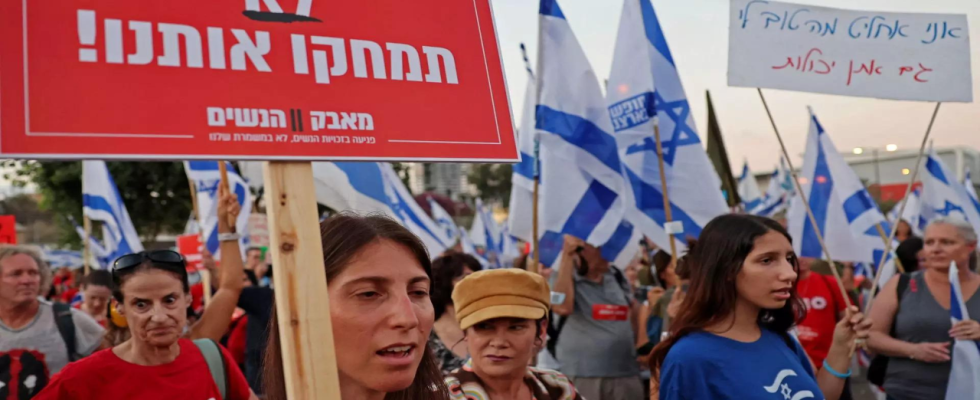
[{"x": 730, "y": 338}]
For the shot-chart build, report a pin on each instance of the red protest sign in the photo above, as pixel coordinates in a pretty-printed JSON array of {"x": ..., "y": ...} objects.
[
  {"x": 253, "y": 79},
  {"x": 190, "y": 247},
  {"x": 8, "y": 229}
]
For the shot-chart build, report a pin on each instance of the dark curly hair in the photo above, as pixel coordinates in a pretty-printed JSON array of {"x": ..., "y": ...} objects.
[{"x": 445, "y": 269}]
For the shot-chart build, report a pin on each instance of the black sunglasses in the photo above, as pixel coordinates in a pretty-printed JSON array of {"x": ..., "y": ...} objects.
[{"x": 157, "y": 256}]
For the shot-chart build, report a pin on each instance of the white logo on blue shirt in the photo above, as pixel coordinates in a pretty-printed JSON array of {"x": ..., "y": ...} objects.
[{"x": 785, "y": 389}]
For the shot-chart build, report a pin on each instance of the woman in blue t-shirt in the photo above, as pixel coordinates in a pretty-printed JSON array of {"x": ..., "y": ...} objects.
[{"x": 730, "y": 340}]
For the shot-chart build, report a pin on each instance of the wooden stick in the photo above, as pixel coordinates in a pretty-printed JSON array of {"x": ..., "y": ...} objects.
[
  {"x": 901, "y": 209},
  {"x": 302, "y": 303},
  {"x": 884, "y": 237},
  {"x": 87, "y": 252},
  {"x": 663, "y": 183},
  {"x": 806, "y": 204},
  {"x": 223, "y": 169},
  {"x": 535, "y": 266}
]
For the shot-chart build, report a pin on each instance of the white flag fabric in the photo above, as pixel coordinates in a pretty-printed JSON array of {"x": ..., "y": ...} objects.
[
  {"x": 778, "y": 193},
  {"x": 445, "y": 221},
  {"x": 583, "y": 190},
  {"x": 206, "y": 177},
  {"x": 644, "y": 83},
  {"x": 942, "y": 195},
  {"x": 912, "y": 213},
  {"x": 971, "y": 191},
  {"x": 845, "y": 213},
  {"x": 521, "y": 216},
  {"x": 376, "y": 188},
  {"x": 100, "y": 254},
  {"x": 748, "y": 189},
  {"x": 487, "y": 234},
  {"x": 964, "y": 377},
  {"x": 101, "y": 202}
]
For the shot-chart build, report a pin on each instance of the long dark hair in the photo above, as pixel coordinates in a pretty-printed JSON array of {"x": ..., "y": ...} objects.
[
  {"x": 344, "y": 236},
  {"x": 712, "y": 266}
]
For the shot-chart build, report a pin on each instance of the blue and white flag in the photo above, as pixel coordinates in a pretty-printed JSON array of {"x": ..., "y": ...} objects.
[
  {"x": 101, "y": 202},
  {"x": 964, "y": 377},
  {"x": 99, "y": 253},
  {"x": 206, "y": 177},
  {"x": 748, "y": 189},
  {"x": 520, "y": 219},
  {"x": 778, "y": 193},
  {"x": 444, "y": 220},
  {"x": 583, "y": 190},
  {"x": 508, "y": 248},
  {"x": 942, "y": 195},
  {"x": 487, "y": 234},
  {"x": 367, "y": 188},
  {"x": 644, "y": 83},
  {"x": 971, "y": 191},
  {"x": 912, "y": 213},
  {"x": 845, "y": 213}
]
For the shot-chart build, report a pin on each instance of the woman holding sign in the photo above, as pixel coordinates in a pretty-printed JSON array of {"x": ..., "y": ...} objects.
[
  {"x": 379, "y": 277},
  {"x": 730, "y": 339}
]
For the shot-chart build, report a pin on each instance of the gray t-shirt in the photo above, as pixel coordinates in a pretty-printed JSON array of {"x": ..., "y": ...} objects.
[
  {"x": 597, "y": 339},
  {"x": 921, "y": 319},
  {"x": 30, "y": 355}
]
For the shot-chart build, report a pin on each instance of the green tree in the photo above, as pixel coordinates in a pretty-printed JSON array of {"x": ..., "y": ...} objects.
[
  {"x": 156, "y": 194},
  {"x": 492, "y": 181}
]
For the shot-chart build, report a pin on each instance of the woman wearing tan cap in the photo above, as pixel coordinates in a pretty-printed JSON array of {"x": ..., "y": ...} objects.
[{"x": 503, "y": 315}]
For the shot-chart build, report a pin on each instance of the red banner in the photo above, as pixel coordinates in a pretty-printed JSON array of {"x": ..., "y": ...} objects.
[
  {"x": 8, "y": 229},
  {"x": 190, "y": 247},
  {"x": 253, "y": 79}
]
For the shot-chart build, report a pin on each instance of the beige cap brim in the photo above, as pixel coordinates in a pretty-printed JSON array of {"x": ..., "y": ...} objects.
[{"x": 502, "y": 311}]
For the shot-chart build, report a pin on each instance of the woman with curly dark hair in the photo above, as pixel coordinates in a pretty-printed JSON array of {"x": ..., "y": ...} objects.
[
  {"x": 730, "y": 339},
  {"x": 446, "y": 339}
]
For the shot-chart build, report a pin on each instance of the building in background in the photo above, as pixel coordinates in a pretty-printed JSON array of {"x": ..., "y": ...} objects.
[
  {"x": 892, "y": 169},
  {"x": 446, "y": 179}
]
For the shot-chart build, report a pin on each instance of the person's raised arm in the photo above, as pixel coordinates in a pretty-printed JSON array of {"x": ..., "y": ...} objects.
[
  {"x": 217, "y": 315},
  {"x": 566, "y": 276}
]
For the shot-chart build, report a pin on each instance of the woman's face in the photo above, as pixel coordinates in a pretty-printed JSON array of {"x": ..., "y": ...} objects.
[
  {"x": 155, "y": 306},
  {"x": 95, "y": 300},
  {"x": 503, "y": 347},
  {"x": 904, "y": 229},
  {"x": 943, "y": 245},
  {"x": 767, "y": 276},
  {"x": 382, "y": 316}
]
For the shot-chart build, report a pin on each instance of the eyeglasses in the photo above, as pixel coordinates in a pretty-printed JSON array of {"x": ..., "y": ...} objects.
[{"x": 158, "y": 256}]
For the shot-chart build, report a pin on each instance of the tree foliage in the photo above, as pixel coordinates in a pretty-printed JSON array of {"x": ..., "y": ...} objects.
[
  {"x": 156, "y": 194},
  {"x": 492, "y": 182}
]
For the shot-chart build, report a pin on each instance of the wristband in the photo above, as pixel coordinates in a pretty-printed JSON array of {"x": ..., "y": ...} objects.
[
  {"x": 835, "y": 373},
  {"x": 228, "y": 237}
]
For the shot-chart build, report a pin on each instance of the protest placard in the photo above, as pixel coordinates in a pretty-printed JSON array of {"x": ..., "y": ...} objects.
[
  {"x": 269, "y": 80},
  {"x": 901, "y": 56},
  {"x": 8, "y": 229}
]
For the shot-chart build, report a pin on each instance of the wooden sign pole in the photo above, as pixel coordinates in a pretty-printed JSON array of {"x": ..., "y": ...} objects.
[
  {"x": 302, "y": 305},
  {"x": 663, "y": 185},
  {"x": 87, "y": 253}
]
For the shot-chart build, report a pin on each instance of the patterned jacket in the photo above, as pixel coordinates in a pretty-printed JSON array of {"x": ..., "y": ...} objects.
[{"x": 545, "y": 384}]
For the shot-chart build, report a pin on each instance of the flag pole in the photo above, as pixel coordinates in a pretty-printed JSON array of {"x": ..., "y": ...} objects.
[
  {"x": 663, "y": 184},
  {"x": 806, "y": 204},
  {"x": 87, "y": 253},
  {"x": 901, "y": 208},
  {"x": 536, "y": 194},
  {"x": 205, "y": 274}
]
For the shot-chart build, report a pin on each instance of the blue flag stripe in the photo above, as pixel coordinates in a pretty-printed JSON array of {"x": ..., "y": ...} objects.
[
  {"x": 551, "y": 8},
  {"x": 936, "y": 170},
  {"x": 525, "y": 168},
  {"x": 820, "y": 192},
  {"x": 654, "y": 33},
  {"x": 856, "y": 205},
  {"x": 619, "y": 240},
  {"x": 580, "y": 132},
  {"x": 650, "y": 201}
]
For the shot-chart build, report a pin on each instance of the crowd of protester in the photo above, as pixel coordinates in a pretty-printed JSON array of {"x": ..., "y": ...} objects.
[{"x": 737, "y": 315}]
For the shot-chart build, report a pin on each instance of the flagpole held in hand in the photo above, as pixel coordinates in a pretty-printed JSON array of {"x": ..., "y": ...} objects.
[
  {"x": 87, "y": 253},
  {"x": 663, "y": 183},
  {"x": 901, "y": 209},
  {"x": 806, "y": 204}
]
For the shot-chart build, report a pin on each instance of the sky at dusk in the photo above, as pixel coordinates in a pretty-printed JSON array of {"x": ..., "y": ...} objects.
[{"x": 697, "y": 32}]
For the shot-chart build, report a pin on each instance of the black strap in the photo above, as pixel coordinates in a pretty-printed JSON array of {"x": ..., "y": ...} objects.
[{"x": 66, "y": 327}]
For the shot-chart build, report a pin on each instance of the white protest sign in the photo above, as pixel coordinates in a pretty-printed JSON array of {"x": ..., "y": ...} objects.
[{"x": 899, "y": 56}]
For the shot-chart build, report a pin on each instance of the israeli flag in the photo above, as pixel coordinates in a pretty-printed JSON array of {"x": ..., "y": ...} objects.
[
  {"x": 778, "y": 193},
  {"x": 588, "y": 196},
  {"x": 521, "y": 217},
  {"x": 98, "y": 252},
  {"x": 206, "y": 177},
  {"x": 845, "y": 213},
  {"x": 101, "y": 202},
  {"x": 508, "y": 248},
  {"x": 748, "y": 189},
  {"x": 444, "y": 220},
  {"x": 467, "y": 247},
  {"x": 912, "y": 213},
  {"x": 644, "y": 83},
  {"x": 971, "y": 191},
  {"x": 486, "y": 233},
  {"x": 367, "y": 188},
  {"x": 942, "y": 195},
  {"x": 964, "y": 377}
]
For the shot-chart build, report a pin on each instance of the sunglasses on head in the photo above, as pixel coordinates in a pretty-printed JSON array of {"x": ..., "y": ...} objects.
[{"x": 158, "y": 256}]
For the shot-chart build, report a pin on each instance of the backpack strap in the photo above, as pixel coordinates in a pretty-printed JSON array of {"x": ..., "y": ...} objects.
[
  {"x": 623, "y": 284},
  {"x": 216, "y": 364},
  {"x": 66, "y": 327}
]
